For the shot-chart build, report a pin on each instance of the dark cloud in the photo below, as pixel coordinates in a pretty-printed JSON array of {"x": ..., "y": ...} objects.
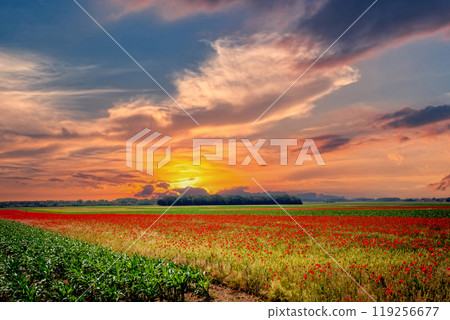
[
  {"x": 163, "y": 185},
  {"x": 67, "y": 134},
  {"x": 55, "y": 180},
  {"x": 145, "y": 192},
  {"x": 89, "y": 177},
  {"x": 234, "y": 191},
  {"x": 409, "y": 118},
  {"x": 441, "y": 185},
  {"x": 241, "y": 191},
  {"x": 18, "y": 178},
  {"x": 125, "y": 176},
  {"x": 30, "y": 152},
  {"x": 328, "y": 143},
  {"x": 385, "y": 23},
  {"x": 115, "y": 179},
  {"x": 15, "y": 180},
  {"x": 87, "y": 184},
  {"x": 94, "y": 151},
  {"x": 167, "y": 193},
  {"x": 62, "y": 134},
  {"x": 192, "y": 191},
  {"x": 21, "y": 169}
]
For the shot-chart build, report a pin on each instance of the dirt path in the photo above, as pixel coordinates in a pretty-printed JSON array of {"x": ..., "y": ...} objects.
[{"x": 221, "y": 293}]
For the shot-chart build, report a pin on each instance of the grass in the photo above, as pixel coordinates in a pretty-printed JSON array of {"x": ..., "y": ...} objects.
[
  {"x": 36, "y": 265},
  {"x": 444, "y": 210}
]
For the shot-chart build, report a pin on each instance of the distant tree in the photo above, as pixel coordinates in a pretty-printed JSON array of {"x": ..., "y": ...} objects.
[{"x": 227, "y": 200}]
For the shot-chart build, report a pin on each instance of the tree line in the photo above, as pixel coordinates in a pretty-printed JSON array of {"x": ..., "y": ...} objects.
[
  {"x": 187, "y": 200},
  {"x": 216, "y": 199},
  {"x": 78, "y": 203}
]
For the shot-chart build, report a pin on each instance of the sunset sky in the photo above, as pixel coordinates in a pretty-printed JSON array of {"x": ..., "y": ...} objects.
[{"x": 377, "y": 104}]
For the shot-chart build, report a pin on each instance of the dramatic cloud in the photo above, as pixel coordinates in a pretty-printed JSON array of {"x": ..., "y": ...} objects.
[
  {"x": 243, "y": 76},
  {"x": 89, "y": 177},
  {"x": 21, "y": 111},
  {"x": 21, "y": 71},
  {"x": 146, "y": 191},
  {"x": 246, "y": 72},
  {"x": 441, "y": 185},
  {"x": 94, "y": 151},
  {"x": 388, "y": 22},
  {"x": 177, "y": 9},
  {"x": 409, "y": 118},
  {"x": 172, "y": 9},
  {"x": 163, "y": 185},
  {"x": 235, "y": 191},
  {"x": 57, "y": 143},
  {"x": 328, "y": 143},
  {"x": 29, "y": 152},
  {"x": 322, "y": 21},
  {"x": 107, "y": 178},
  {"x": 33, "y": 104},
  {"x": 194, "y": 191}
]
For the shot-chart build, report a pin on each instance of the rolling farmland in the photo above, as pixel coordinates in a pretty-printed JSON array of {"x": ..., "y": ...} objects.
[{"x": 395, "y": 252}]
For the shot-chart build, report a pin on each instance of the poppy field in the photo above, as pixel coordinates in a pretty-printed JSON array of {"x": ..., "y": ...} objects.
[{"x": 330, "y": 253}]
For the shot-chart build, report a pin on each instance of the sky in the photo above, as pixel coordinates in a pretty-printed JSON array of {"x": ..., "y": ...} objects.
[{"x": 376, "y": 103}]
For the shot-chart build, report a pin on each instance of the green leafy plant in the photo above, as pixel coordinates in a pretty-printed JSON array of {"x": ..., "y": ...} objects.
[{"x": 36, "y": 265}]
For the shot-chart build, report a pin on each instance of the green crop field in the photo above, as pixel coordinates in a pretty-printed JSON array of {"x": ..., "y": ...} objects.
[
  {"x": 376, "y": 209},
  {"x": 36, "y": 265}
]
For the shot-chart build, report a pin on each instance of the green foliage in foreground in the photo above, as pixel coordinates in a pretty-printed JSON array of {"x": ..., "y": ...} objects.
[{"x": 36, "y": 265}]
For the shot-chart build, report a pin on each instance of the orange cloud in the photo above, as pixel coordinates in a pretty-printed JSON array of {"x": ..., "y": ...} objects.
[
  {"x": 398, "y": 159},
  {"x": 171, "y": 9},
  {"x": 441, "y": 185},
  {"x": 244, "y": 76}
]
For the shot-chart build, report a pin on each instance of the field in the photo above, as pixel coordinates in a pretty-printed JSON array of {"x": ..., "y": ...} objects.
[
  {"x": 36, "y": 265},
  {"x": 331, "y": 252}
]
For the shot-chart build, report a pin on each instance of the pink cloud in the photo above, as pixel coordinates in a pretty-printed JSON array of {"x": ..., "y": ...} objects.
[
  {"x": 441, "y": 185},
  {"x": 173, "y": 9}
]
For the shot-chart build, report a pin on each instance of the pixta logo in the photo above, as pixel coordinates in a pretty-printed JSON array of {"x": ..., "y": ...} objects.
[
  {"x": 308, "y": 148},
  {"x": 141, "y": 147},
  {"x": 146, "y": 146}
]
